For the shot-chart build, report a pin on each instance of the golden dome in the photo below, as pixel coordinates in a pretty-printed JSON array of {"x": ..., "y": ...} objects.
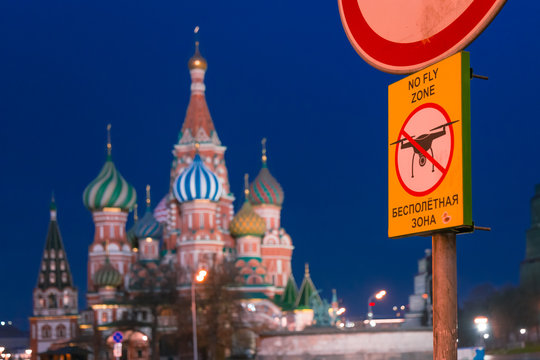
[
  {"x": 247, "y": 222},
  {"x": 197, "y": 61}
]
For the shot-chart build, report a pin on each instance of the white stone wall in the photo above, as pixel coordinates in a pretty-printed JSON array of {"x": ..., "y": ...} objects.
[{"x": 358, "y": 345}]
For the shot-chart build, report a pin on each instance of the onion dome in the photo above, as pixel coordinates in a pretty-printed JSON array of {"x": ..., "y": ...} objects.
[
  {"x": 197, "y": 61},
  {"x": 197, "y": 182},
  {"x": 107, "y": 275},
  {"x": 246, "y": 221},
  {"x": 148, "y": 226},
  {"x": 109, "y": 188},
  {"x": 265, "y": 189},
  {"x": 161, "y": 212}
]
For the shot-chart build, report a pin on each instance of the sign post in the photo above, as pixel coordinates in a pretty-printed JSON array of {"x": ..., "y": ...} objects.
[
  {"x": 429, "y": 177},
  {"x": 117, "y": 349},
  {"x": 429, "y": 181}
]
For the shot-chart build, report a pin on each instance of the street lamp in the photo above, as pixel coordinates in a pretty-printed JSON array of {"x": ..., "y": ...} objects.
[
  {"x": 481, "y": 323},
  {"x": 199, "y": 277},
  {"x": 371, "y": 302}
]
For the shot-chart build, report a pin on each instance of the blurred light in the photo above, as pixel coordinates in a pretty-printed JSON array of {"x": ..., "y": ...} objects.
[
  {"x": 28, "y": 352},
  {"x": 144, "y": 337},
  {"x": 480, "y": 320},
  {"x": 341, "y": 324},
  {"x": 402, "y": 307},
  {"x": 372, "y": 323},
  {"x": 394, "y": 308},
  {"x": 251, "y": 307},
  {"x": 201, "y": 275},
  {"x": 340, "y": 311},
  {"x": 2, "y": 323},
  {"x": 398, "y": 314},
  {"x": 370, "y": 314},
  {"x": 522, "y": 331},
  {"x": 2, "y": 349},
  {"x": 148, "y": 239},
  {"x": 380, "y": 294},
  {"x": 349, "y": 324},
  {"x": 486, "y": 336},
  {"x": 372, "y": 303},
  {"x": 424, "y": 296}
]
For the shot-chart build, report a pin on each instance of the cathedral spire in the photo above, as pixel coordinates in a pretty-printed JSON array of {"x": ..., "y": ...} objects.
[
  {"x": 198, "y": 125},
  {"x": 264, "y": 157},
  {"x": 55, "y": 270},
  {"x": 109, "y": 145}
]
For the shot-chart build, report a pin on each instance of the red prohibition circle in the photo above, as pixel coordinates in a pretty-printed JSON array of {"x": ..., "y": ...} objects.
[
  {"x": 403, "y": 58},
  {"x": 451, "y": 131}
]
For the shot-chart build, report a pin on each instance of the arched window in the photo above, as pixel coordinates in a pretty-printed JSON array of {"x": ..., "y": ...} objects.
[
  {"x": 53, "y": 265},
  {"x": 64, "y": 277},
  {"x": 60, "y": 331},
  {"x": 46, "y": 332},
  {"x": 62, "y": 265},
  {"x": 52, "y": 278}
]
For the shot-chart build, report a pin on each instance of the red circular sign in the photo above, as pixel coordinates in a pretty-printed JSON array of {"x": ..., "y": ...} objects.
[
  {"x": 424, "y": 149},
  {"x": 404, "y": 36}
]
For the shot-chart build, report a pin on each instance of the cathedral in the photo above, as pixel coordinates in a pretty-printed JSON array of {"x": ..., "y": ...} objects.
[{"x": 192, "y": 227}]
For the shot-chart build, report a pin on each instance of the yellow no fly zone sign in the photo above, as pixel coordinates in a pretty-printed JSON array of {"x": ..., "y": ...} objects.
[{"x": 429, "y": 168}]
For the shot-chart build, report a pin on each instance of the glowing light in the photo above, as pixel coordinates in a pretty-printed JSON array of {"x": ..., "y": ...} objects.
[
  {"x": 402, "y": 307},
  {"x": 144, "y": 337},
  {"x": 486, "y": 336},
  {"x": 424, "y": 296},
  {"x": 522, "y": 331},
  {"x": 2, "y": 349},
  {"x": 2, "y": 323},
  {"x": 372, "y": 323},
  {"x": 380, "y": 294},
  {"x": 201, "y": 275},
  {"x": 28, "y": 352},
  {"x": 480, "y": 320},
  {"x": 394, "y": 308},
  {"x": 251, "y": 307},
  {"x": 148, "y": 239},
  {"x": 372, "y": 303},
  {"x": 340, "y": 311}
]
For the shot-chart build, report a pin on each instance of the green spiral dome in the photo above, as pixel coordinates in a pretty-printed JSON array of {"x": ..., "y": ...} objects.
[
  {"x": 109, "y": 189},
  {"x": 107, "y": 276}
]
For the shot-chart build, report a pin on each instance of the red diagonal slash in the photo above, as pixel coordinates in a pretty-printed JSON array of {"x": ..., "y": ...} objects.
[{"x": 424, "y": 152}]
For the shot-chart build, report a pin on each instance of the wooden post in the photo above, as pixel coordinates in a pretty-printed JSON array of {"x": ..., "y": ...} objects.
[{"x": 444, "y": 296}]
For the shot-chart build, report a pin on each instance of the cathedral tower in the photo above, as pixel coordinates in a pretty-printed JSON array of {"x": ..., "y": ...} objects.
[
  {"x": 266, "y": 196},
  {"x": 198, "y": 128},
  {"x": 248, "y": 228},
  {"x": 198, "y": 190},
  {"x": 109, "y": 197},
  {"x": 55, "y": 297}
]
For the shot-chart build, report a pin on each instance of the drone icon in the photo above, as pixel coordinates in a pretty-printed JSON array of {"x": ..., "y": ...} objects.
[{"x": 424, "y": 141}]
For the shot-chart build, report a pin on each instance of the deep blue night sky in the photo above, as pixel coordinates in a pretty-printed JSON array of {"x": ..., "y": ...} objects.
[{"x": 277, "y": 69}]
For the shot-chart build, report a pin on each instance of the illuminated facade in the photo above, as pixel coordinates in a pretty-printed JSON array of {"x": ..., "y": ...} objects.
[{"x": 192, "y": 227}]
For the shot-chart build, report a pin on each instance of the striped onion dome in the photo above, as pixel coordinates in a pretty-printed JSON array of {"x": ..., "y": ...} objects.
[
  {"x": 197, "y": 182},
  {"x": 109, "y": 189},
  {"x": 160, "y": 212},
  {"x": 247, "y": 222},
  {"x": 148, "y": 226},
  {"x": 107, "y": 275},
  {"x": 265, "y": 189}
]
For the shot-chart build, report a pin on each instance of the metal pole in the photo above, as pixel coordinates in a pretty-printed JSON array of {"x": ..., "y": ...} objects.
[
  {"x": 444, "y": 297},
  {"x": 194, "y": 321},
  {"x": 370, "y": 308}
]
